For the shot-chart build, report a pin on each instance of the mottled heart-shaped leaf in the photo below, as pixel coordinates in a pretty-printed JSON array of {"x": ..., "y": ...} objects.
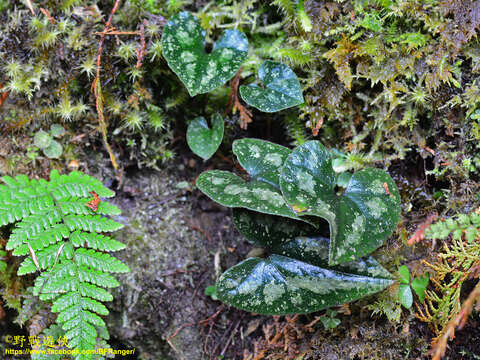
[
  {"x": 282, "y": 89},
  {"x": 232, "y": 191},
  {"x": 280, "y": 285},
  {"x": 360, "y": 219},
  {"x": 262, "y": 160},
  {"x": 183, "y": 46},
  {"x": 297, "y": 240},
  {"x": 202, "y": 140}
]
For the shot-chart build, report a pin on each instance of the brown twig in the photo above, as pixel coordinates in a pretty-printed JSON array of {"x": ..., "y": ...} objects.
[
  {"x": 3, "y": 97},
  {"x": 141, "y": 50},
  {"x": 234, "y": 103},
  {"x": 30, "y": 6},
  {"x": 420, "y": 232},
  {"x": 112, "y": 31},
  {"x": 317, "y": 127},
  {"x": 48, "y": 16},
  {"x": 97, "y": 87}
]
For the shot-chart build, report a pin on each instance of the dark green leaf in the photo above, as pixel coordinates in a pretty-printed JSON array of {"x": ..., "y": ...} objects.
[
  {"x": 404, "y": 274},
  {"x": 183, "y": 46},
  {"x": 419, "y": 285},
  {"x": 282, "y": 88},
  {"x": 232, "y": 191},
  {"x": 202, "y": 140},
  {"x": 405, "y": 295},
  {"x": 299, "y": 241},
  {"x": 261, "y": 159},
  {"x": 360, "y": 219},
  {"x": 279, "y": 285},
  {"x": 314, "y": 250},
  {"x": 266, "y": 230}
]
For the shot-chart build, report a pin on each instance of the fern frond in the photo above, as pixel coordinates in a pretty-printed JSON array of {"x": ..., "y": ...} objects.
[
  {"x": 99, "y": 261},
  {"x": 91, "y": 223},
  {"x": 95, "y": 241},
  {"x": 59, "y": 233}
]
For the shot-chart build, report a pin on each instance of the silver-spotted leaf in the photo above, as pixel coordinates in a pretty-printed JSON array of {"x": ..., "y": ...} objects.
[
  {"x": 232, "y": 191},
  {"x": 360, "y": 219},
  {"x": 297, "y": 240},
  {"x": 314, "y": 250},
  {"x": 279, "y": 285},
  {"x": 282, "y": 89},
  {"x": 201, "y": 139},
  {"x": 261, "y": 159},
  {"x": 183, "y": 46}
]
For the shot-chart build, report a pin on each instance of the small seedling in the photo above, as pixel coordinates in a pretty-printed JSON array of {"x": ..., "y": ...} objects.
[
  {"x": 330, "y": 321},
  {"x": 418, "y": 284},
  {"x": 44, "y": 140}
]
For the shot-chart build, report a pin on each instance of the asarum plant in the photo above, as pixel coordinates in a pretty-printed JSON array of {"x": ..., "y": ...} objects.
[{"x": 279, "y": 207}]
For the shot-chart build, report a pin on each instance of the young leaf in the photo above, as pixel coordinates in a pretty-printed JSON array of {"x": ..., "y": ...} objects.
[
  {"x": 183, "y": 46},
  {"x": 282, "y": 88},
  {"x": 202, "y": 140},
  {"x": 405, "y": 295},
  {"x": 279, "y": 285},
  {"x": 419, "y": 285},
  {"x": 360, "y": 219},
  {"x": 42, "y": 139},
  {"x": 54, "y": 150},
  {"x": 404, "y": 274}
]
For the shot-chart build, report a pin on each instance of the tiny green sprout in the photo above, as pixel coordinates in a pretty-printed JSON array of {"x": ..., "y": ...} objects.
[
  {"x": 155, "y": 50},
  {"x": 330, "y": 321},
  {"x": 127, "y": 51},
  {"x": 156, "y": 119},
  {"x": 152, "y": 29},
  {"x": 133, "y": 120},
  {"x": 88, "y": 67},
  {"x": 64, "y": 109},
  {"x": 419, "y": 285},
  {"x": 419, "y": 96},
  {"x": 135, "y": 73},
  {"x": 114, "y": 106},
  {"x": 36, "y": 24},
  {"x": 211, "y": 291},
  {"x": 12, "y": 69},
  {"x": 46, "y": 39},
  {"x": 64, "y": 26}
]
